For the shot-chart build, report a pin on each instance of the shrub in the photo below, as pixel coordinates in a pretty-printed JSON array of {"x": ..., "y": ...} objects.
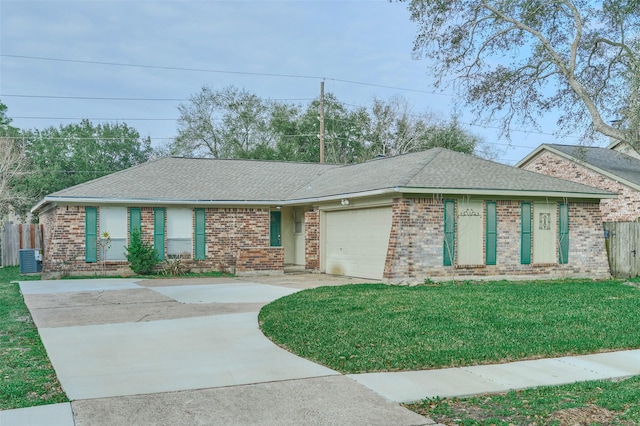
[{"x": 140, "y": 254}]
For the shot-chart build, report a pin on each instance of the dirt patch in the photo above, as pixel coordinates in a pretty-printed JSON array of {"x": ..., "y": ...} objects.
[
  {"x": 588, "y": 415},
  {"x": 577, "y": 416}
]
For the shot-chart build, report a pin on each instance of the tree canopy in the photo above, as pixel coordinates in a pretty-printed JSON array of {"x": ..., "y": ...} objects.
[
  {"x": 58, "y": 158},
  {"x": 233, "y": 123},
  {"x": 517, "y": 59}
]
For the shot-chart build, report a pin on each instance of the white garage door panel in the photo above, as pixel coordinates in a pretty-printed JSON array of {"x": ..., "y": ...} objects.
[{"x": 357, "y": 241}]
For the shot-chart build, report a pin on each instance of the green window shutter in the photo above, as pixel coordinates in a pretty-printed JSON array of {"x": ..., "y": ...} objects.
[
  {"x": 563, "y": 252},
  {"x": 449, "y": 248},
  {"x": 200, "y": 249},
  {"x": 91, "y": 234},
  {"x": 275, "y": 229},
  {"x": 525, "y": 235},
  {"x": 135, "y": 219},
  {"x": 491, "y": 233},
  {"x": 158, "y": 232}
]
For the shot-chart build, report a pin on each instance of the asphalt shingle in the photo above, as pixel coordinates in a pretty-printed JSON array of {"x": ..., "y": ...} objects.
[
  {"x": 605, "y": 159},
  {"x": 216, "y": 180}
]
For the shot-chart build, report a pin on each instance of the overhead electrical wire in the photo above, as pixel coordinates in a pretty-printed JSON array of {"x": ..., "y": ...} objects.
[{"x": 205, "y": 70}]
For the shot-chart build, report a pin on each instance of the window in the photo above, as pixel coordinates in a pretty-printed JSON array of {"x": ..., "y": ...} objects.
[
  {"x": 297, "y": 221},
  {"x": 491, "y": 233},
  {"x": 200, "y": 227},
  {"x": 158, "y": 232},
  {"x": 449, "y": 248},
  {"x": 114, "y": 221},
  {"x": 91, "y": 234},
  {"x": 179, "y": 232}
]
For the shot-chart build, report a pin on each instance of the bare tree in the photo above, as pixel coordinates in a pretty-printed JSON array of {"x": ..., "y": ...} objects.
[
  {"x": 12, "y": 165},
  {"x": 517, "y": 59},
  {"x": 396, "y": 129},
  {"x": 227, "y": 123}
]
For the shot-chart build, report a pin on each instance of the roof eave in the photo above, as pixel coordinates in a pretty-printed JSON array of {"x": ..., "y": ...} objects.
[
  {"x": 333, "y": 197},
  {"x": 531, "y": 155},
  {"x": 149, "y": 201},
  {"x": 509, "y": 192}
]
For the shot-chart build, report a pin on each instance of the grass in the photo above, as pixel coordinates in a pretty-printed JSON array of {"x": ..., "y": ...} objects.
[
  {"x": 586, "y": 403},
  {"x": 374, "y": 327},
  {"x": 26, "y": 375}
]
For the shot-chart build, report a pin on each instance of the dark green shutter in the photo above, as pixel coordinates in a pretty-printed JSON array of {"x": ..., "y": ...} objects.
[
  {"x": 275, "y": 238},
  {"x": 91, "y": 234},
  {"x": 158, "y": 232},
  {"x": 563, "y": 252},
  {"x": 525, "y": 235},
  {"x": 491, "y": 233},
  {"x": 200, "y": 234},
  {"x": 449, "y": 248},
  {"x": 135, "y": 219}
]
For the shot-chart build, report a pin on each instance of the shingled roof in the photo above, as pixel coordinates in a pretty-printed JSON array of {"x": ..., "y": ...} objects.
[
  {"x": 615, "y": 164},
  {"x": 190, "y": 180}
]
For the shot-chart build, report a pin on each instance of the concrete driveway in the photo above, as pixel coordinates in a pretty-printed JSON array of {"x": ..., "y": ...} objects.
[{"x": 190, "y": 352}]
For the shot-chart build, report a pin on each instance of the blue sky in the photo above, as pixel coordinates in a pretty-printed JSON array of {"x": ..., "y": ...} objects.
[{"x": 183, "y": 45}]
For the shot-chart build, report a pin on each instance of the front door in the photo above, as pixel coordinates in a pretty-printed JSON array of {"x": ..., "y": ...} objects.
[{"x": 275, "y": 229}]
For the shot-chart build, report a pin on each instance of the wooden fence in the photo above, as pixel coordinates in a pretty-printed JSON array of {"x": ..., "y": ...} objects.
[
  {"x": 14, "y": 237},
  {"x": 623, "y": 248}
]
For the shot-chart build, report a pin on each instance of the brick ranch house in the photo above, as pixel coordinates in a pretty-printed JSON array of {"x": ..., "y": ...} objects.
[
  {"x": 435, "y": 213},
  {"x": 615, "y": 168}
]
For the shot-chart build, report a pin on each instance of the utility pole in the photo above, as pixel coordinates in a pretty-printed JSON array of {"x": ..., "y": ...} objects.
[{"x": 321, "y": 121}]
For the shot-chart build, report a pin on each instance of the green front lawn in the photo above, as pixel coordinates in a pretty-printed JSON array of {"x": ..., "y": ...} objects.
[
  {"x": 587, "y": 403},
  {"x": 375, "y": 327},
  {"x": 26, "y": 375}
]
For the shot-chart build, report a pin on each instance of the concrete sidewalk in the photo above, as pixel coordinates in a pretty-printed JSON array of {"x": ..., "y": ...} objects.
[
  {"x": 279, "y": 402},
  {"x": 412, "y": 386}
]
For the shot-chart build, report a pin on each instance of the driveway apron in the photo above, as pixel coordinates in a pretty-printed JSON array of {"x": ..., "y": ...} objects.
[
  {"x": 105, "y": 360},
  {"x": 166, "y": 352}
]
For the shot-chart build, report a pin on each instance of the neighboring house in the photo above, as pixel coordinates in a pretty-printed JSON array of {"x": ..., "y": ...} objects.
[
  {"x": 432, "y": 214},
  {"x": 615, "y": 168}
]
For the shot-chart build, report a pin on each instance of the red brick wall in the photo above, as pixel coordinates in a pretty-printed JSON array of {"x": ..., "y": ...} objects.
[
  {"x": 416, "y": 244},
  {"x": 65, "y": 245},
  {"x": 257, "y": 259},
  {"x": 229, "y": 232},
  {"x": 625, "y": 208},
  {"x": 312, "y": 240}
]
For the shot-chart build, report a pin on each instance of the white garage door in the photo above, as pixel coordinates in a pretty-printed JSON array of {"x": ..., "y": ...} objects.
[{"x": 356, "y": 242}]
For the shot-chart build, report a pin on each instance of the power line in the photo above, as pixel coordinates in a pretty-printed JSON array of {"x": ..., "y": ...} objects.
[
  {"x": 96, "y": 98},
  {"x": 100, "y": 98},
  {"x": 206, "y": 70},
  {"x": 94, "y": 118}
]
